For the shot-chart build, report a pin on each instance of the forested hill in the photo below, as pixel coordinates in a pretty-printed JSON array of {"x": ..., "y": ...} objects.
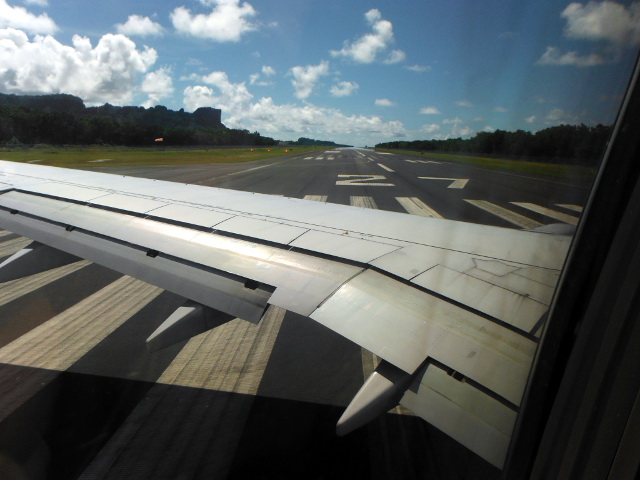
[
  {"x": 65, "y": 120},
  {"x": 570, "y": 144}
]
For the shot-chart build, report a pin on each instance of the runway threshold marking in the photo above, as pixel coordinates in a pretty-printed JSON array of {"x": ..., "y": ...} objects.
[
  {"x": 12, "y": 246},
  {"x": 363, "y": 202},
  {"x": 18, "y": 288},
  {"x": 547, "y": 212},
  {"x": 229, "y": 358},
  {"x": 575, "y": 208},
  {"x": 386, "y": 168},
  {"x": 61, "y": 341},
  {"x": 316, "y": 198},
  {"x": 415, "y": 206},
  {"x": 511, "y": 217}
]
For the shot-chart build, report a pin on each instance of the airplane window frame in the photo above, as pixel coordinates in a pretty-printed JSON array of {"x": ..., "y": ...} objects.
[{"x": 594, "y": 311}]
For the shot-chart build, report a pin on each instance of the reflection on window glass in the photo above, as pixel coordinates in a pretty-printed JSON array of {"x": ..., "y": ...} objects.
[{"x": 397, "y": 187}]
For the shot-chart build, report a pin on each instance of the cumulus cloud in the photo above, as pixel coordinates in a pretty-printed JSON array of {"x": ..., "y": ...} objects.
[
  {"x": 396, "y": 56},
  {"x": 418, "y": 68},
  {"x": 464, "y": 103},
  {"x": 107, "y": 72},
  {"x": 344, "y": 89},
  {"x": 430, "y": 128},
  {"x": 557, "y": 116},
  {"x": 457, "y": 128},
  {"x": 370, "y": 47},
  {"x": 228, "y": 21},
  {"x": 429, "y": 111},
  {"x": 530, "y": 119},
  {"x": 553, "y": 56},
  {"x": 262, "y": 79},
  {"x": 138, "y": 25},
  {"x": 269, "y": 118},
  {"x": 20, "y": 18},
  {"x": 40, "y": 3},
  {"x": 608, "y": 21},
  {"x": 306, "y": 78},
  {"x": 500, "y": 109},
  {"x": 384, "y": 102},
  {"x": 157, "y": 85}
]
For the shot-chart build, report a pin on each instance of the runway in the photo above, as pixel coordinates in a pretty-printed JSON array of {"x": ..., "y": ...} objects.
[{"x": 81, "y": 397}]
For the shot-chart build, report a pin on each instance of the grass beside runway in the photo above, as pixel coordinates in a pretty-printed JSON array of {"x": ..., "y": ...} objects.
[
  {"x": 74, "y": 156},
  {"x": 522, "y": 166}
]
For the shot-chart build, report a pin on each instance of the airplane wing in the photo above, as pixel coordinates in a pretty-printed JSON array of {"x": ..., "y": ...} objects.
[{"x": 453, "y": 309}]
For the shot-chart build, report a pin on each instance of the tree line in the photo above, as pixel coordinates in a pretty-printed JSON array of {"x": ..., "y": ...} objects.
[
  {"x": 568, "y": 144},
  {"x": 64, "y": 120}
]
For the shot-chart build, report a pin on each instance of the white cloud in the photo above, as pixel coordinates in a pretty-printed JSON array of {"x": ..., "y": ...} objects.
[
  {"x": 458, "y": 129},
  {"x": 261, "y": 79},
  {"x": 384, "y": 102},
  {"x": 418, "y": 68},
  {"x": 530, "y": 119},
  {"x": 288, "y": 120},
  {"x": 369, "y": 47},
  {"x": 20, "y": 18},
  {"x": 227, "y": 22},
  {"x": 500, "y": 110},
  {"x": 306, "y": 78},
  {"x": 609, "y": 21},
  {"x": 107, "y": 72},
  {"x": 430, "y": 128},
  {"x": 488, "y": 128},
  {"x": 157, "y": 85},
  {"x": 137, "y": 25},
  {"x": 552, "y": 56},
  {"x": 40, "y": 3},
  {"x": 429, "y": 111},
  {"x": 557, "y": 116},
  {"x": 464, "y": 103},
  {"x": 396, "y": 56},
  {"x": 344, "y": 89}
]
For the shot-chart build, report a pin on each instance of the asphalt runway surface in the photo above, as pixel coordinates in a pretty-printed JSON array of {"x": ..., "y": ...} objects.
[{"x": 81, "y": 397}]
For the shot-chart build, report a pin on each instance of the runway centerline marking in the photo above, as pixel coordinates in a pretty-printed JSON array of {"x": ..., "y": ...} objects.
[{"x": 364, "y": 181}]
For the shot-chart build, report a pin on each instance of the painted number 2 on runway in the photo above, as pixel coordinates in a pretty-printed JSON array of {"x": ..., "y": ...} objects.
[{"x": 364, "y": 181}]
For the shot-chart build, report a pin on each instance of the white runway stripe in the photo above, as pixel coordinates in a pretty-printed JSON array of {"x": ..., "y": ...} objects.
[
  {"x": 316, "y": 198},
  {"x": 511, "y": 217},
  {"x": 14, "y": 289},
  {"x": 386, "y": 168},
  {"x": 229, "y": 358},
  {"x": 547, "y": 212},
  {"x": 415, "y": 206},
  {"x": 575, "y": 208},
  {"x": 12, "y": 246},
  {"x": 61, "y": 341},
  {"x": 363, "y": 202}
]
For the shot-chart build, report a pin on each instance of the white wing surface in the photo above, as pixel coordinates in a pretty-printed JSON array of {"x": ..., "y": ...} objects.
[{"x": 453, "y": 309}]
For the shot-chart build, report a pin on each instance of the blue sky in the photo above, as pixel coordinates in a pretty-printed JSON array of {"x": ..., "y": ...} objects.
[{"x": 354, "y": 72}]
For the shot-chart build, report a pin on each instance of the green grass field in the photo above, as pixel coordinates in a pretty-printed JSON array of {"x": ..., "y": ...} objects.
[
  {"x": 522, "y": 166},
  {"x": 106, "y": 156}
]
